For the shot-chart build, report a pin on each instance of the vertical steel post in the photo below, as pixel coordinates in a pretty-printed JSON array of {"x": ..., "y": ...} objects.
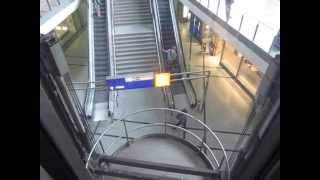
[
  {"x": 184, "y": 126},
  {"x": 50, "y": 8},
  {"x": 204, "y": 139},
  {"x": 240, "y": 64},
  {"x": 240, "y": 23},
  {"x": 255, "y": 32},
  {"x": 125, "y": 129},
  {"x": 190, "y": 48},
  {"x": 222, "y": 51},
  {"x": 218, "y": 8}
]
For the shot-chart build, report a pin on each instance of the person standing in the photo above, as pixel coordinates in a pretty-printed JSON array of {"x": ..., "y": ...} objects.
[
  {"x": 182, "y": 119},
  {"x": 171, "y": 56},
  {"x": 211, "y": 48}
]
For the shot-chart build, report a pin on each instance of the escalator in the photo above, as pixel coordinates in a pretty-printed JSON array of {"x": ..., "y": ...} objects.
[
  {"x": 101, "y": 54},
  {"x": 171, "y": 37},
  {"x": 99, "y": 64}
]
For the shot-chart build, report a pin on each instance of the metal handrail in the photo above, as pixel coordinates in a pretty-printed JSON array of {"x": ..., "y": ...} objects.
[
  {"x": 181, "y": 53},
  {"x": 190, "y": 117},
  {"x": 156, "y": 27},
  {"x": 112, "y": 52},
  {"x": 90, "y": 93}
]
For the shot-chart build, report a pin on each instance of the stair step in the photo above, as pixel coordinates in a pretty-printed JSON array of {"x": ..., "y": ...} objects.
[
  {"x": 138, "y": 70},
  {"x": 100, "y": 53},
  {"x": 130, "y": 10},
  {"x": 133, "y": 18},
  {"x": 134, "y": 36},
  {"x": 136, "y": 66},
  {"x": 137, "y": 57},
  {"x": 100, "y": 43},
  {"x": 101, "y": 68},
  {"x": 141, "y": 44},
  {"x": 100, "y": 25},
  {"x": 120, "y": 13},
  {"x": 101, "y": 48},
  {"x": 104, "y": 62},
  {"x": 101, "y": 74},
  {"x": 137, "y": 61},
  {"x": 136, "y": 49},
  {"x": 135, "y": 53},
  {"x": 132, "y": 4},
  {"x": 133, "y": 22},
  {"x": 100, "y": 20},
  {"x": 132, "y": 41},
  {"x": 129, "y": 14},
  {"x": 120, "y": 2}
]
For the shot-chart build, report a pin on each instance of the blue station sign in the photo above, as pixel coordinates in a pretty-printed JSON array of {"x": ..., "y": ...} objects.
[{"x": 137, "y": 81}]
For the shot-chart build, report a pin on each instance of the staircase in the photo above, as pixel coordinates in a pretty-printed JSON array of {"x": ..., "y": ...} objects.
[
  {"x": 134, "y": 37},
  {"x": 101, "y": 55},
  {"x": 131, "y": 12}
]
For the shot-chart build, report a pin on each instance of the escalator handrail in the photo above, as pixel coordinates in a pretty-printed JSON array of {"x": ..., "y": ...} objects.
[
  {"x": 90, "y": 92},
  {"x": 159, "y": 41},
  {"x": 110, "y": 29},
  {"x": 112, "y": 58}
]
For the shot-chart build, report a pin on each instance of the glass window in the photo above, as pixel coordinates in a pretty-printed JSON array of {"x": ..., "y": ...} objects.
[
  {"x": 250, "y": 76},
  {"x": 213, "y": 5},
  {"x": 204, "y": 3},
  {"x": 248, "y": 26},
  {"x": 264, "y": 37},
  {"x": 231, "y": 59},
  {"x": 222, "y": 10}
]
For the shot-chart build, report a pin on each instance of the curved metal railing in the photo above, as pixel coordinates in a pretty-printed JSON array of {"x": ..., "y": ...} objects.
[{"x": 212, "y": 158}]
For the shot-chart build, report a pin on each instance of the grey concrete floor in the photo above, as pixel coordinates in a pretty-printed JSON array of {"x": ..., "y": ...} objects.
[{"x": 162, "y": 150}]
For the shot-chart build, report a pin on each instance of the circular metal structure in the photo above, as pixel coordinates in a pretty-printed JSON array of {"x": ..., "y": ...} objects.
[{"x": 116, "y": 122}]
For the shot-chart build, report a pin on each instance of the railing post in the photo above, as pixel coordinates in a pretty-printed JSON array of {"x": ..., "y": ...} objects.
[
  {"x": 222, "y": 51},
  {"x": 255, "y": 32},
  {"x": 184, "y": 126},
  {"x": 240, "y": 23},
  {"x": 218, "y": 8},
  {"x": 238, "y": 70},
  {"x": 50, "y": 8},
  {"x": 125, "y": 129}
]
